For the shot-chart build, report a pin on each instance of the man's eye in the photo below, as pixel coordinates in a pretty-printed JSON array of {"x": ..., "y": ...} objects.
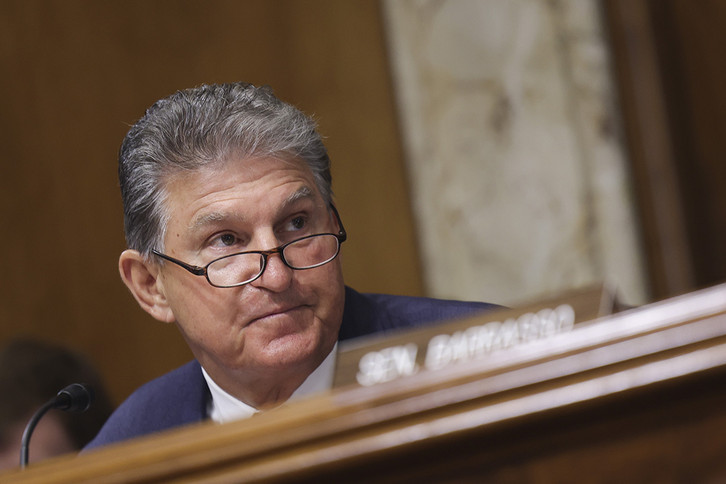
[
  {"x": 298, "y": 223},
  {"x": 227, "y": 239}
]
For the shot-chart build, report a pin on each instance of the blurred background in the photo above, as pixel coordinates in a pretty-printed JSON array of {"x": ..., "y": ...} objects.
[{"x": 496, "y": 150}]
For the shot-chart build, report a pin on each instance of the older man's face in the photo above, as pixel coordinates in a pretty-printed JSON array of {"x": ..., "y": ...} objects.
[{"x": 286, "y": 320}]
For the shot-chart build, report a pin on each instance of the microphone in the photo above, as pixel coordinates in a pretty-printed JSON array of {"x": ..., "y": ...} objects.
[{"x": 76, "y": 397}]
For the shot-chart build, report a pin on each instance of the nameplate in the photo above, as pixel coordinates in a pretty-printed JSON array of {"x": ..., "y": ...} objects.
[{"x": 377, "y": 359}]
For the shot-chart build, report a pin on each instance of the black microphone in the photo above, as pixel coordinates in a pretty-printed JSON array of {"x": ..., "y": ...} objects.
[{"x": 73, "y": 398}]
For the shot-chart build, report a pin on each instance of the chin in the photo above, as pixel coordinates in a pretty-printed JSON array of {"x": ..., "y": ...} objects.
[{"x": 292, "y": 349}]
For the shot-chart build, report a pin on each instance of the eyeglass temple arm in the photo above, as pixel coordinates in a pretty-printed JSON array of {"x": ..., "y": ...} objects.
[
  {"x": 342, "y": 234},
  {"x": 196, "y": 270}
]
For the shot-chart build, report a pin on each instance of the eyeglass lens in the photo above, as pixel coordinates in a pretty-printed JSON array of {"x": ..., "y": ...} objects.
[{"x": 301, "y": 254}]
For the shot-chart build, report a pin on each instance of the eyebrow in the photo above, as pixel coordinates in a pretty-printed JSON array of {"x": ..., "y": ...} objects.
[
  {"x": 301, "y": 193},
  {"x": 209, "y": 218}
]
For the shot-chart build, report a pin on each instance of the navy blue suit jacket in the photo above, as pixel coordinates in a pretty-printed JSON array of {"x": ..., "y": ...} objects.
[{"x": 181, "y": 396}]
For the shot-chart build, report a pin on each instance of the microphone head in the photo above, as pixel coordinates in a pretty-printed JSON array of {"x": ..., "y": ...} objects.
[{"x": 76, "y": 397}]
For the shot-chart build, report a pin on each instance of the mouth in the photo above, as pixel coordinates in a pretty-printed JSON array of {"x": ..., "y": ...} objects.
[{"x": 275, "y": 313}]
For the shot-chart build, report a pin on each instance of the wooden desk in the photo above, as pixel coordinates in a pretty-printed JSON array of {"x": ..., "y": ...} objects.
[{"x": 639, "y": 396}]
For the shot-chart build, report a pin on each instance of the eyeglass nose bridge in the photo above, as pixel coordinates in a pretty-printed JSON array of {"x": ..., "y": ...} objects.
[{"x": 265, "y": 256}]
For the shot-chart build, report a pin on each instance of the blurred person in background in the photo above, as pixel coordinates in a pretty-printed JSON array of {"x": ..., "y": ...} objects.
[{"x": 31, "y": 373}]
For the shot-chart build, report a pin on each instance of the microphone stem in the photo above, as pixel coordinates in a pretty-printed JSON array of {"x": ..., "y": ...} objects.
[{"x": 25, "y": 441}]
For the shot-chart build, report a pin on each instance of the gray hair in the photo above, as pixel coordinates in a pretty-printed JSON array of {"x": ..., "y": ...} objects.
[{"x": 201, "y": 126}]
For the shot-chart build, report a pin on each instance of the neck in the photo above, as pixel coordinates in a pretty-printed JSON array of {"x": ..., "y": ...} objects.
[{"x": 265, "y": 390}]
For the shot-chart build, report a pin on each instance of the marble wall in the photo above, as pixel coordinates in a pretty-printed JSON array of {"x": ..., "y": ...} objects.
[{"x": 518, "y": 176}]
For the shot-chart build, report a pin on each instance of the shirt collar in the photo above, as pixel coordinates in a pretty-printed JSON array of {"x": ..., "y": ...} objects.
[{"x": 223, "y": 407}]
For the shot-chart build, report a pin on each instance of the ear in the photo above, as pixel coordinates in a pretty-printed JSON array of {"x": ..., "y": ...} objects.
[{"x": 142, "y": 279}]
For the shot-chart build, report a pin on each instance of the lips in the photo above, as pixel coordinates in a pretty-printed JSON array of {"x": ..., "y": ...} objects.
[{"x": 275, "y": 312}]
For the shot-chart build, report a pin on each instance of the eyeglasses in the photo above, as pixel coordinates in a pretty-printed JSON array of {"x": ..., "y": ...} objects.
[{"x": 244, "y": 267}]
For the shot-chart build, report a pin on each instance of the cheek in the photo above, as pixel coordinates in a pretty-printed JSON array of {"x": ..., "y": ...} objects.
[
  {"x": 201, "y": 308},
  {"x": 208, "y": 326},
  {"x": 330, "y": 292}
]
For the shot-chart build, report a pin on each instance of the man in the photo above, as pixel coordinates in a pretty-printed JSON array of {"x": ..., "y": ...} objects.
[{"x": 233, "y": 237}]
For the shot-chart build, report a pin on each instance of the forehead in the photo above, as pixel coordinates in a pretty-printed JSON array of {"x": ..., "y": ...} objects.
[{"x": 242, "y": 185}]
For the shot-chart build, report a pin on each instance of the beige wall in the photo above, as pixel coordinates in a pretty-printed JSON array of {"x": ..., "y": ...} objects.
[{"x": 519, "y": 181}]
